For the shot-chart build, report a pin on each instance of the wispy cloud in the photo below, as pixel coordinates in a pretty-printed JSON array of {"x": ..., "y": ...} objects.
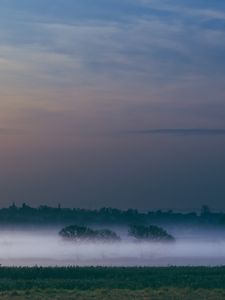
[
  {"x": 141, "y": 48},
  {"x": 180, "y": 131}
]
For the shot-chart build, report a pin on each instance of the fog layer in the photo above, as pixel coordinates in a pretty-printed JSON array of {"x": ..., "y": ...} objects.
[{"x": 27, "y": 248}]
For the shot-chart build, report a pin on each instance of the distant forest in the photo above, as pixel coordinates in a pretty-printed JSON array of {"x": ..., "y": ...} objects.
[{"x": 57, "y": 215}]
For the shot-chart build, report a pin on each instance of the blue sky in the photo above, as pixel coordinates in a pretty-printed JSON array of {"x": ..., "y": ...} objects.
[{"x": 77, "y": 76}]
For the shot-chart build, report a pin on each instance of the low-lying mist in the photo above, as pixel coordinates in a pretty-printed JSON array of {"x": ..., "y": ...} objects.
[{"x": 47, "y": 248}]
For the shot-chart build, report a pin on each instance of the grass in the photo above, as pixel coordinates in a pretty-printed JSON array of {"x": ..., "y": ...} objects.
[
  {"x": 98, "y": 283},
  {"x": 122, "y": 294},
  {"x": 92, "y": 278}
]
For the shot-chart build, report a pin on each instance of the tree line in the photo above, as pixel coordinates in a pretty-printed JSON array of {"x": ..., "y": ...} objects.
[{"x": 43, "y": 214}]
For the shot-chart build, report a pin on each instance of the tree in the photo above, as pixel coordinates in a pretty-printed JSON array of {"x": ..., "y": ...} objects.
[
  {"x": 107, "y": 235},
  {"x": 150, "y": 233},
  {"x": 205, "y": 210},
  {"x": 82, "y": 233},
  {"x": 75, "y": 232}
]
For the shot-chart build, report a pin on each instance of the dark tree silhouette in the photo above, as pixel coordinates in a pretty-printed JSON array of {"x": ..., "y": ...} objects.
[
  {"x": 44, "y": 215},
  {"x": 82, "y": 233},
  {"x": 75, "y": 232},
  {"x": 150, "y": 233}
]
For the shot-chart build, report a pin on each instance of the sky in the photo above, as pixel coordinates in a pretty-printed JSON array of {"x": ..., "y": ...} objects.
[{"x": 114, "y": 103}]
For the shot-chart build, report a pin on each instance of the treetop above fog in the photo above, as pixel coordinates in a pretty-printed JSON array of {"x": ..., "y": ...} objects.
[
  {"x": 139, "y": 232},
  {"x": 150, "y": 233},
  {"x": 78, "y": 233}
]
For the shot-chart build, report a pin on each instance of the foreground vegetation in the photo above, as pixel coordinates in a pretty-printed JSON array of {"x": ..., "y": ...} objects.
[
  {"x": 98, "y": 283},
  {"x": 93, "y": 278},
  {"x": 122, "y": 294}
]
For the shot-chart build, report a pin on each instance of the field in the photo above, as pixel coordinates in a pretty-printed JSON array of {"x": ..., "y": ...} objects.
[
  {"x": 112, "y": 283},
  {"x": 122, "y": 294}
]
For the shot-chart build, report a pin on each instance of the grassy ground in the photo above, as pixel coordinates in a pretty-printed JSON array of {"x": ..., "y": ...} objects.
[
  {"x": 175, "y": 283},
  {"x": 148, "y": 294},
  {"x": 93, "y": 278}
]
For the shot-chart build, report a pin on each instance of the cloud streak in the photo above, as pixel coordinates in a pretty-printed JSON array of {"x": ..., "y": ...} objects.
[
  {"x": 151, "y": 46},
  {"x": 181, "y": 132}
]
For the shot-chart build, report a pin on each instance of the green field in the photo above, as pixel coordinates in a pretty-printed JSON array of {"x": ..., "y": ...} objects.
[
  {"x": 113, "y": 283},
  {"x": 122, "y": 294}
]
